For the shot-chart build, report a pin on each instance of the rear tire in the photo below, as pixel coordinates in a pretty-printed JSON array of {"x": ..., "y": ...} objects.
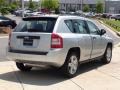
[
  {"x": 70, "y": 66},
  {"x": 23, "y": 67},
  {"x": 108, "y": 55}
]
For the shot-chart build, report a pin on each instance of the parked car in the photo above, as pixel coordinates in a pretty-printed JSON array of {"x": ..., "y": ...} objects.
[
  {"x": 106, "y": 15},
  {"x": 89, "y": 14},
  {"x": 37, "y": 13},
  {"x": 79, "y": 13},
  {"x": 117, "y": 17},
  {"x": 28, "y": 13},
  {"x": 18, "y": 12},
  {"x": 62, "y": 12},
  {"x": 7, "y": 22},
  {"x": 113, "y": 16},
  {"x": 59, "y": 41}
]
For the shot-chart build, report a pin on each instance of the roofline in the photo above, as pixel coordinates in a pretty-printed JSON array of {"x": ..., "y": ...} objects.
[{"x": 53, "y": 17}]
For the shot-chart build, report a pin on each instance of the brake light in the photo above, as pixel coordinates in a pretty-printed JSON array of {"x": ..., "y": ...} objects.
[{"x": 56, "y": 41}]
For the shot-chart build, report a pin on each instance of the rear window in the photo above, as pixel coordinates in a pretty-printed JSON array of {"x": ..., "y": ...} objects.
[
  {"x": 36, "y": 25},
  {"x": 4, "y": 18}
]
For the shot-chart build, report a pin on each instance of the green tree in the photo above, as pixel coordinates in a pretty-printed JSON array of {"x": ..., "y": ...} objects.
[
  {"x": 86, "y": 8},
  {"x": 14, "y": 5},
  {"x": 99, "y": 7},
  {"x": 50, "y": 4},
  {"x": 31, "y": 5},
  {"x": 4, "y": 8}
]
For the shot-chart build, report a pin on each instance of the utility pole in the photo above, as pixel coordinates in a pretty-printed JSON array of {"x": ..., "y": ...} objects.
[
  {"x": 40, "y": 5},
  {"x": 81, "y": 5},
  {"x": 22, "y": 8}
]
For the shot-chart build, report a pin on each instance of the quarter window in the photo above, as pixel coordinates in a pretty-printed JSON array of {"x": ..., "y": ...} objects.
[{"x": 93, "y": 28}]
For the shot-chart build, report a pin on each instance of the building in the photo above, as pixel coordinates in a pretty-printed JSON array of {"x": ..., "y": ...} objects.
[
  {"x": 112, "y": 7},
  {"x": 74, "y": 5}
]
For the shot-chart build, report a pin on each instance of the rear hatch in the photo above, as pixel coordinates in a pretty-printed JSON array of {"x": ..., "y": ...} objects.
[{"x": 33, "y": 34}]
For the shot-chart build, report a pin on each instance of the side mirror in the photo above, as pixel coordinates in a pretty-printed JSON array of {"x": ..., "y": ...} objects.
[{"x": 102, "y": 32}]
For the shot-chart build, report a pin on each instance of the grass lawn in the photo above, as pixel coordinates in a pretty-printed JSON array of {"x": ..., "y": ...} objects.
[{"x": 113, "y": 23}]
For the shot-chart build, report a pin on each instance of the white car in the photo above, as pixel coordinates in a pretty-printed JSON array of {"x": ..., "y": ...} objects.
[
  {"x": 59, "y": 41},
  {"x": 37, "y": 13}
]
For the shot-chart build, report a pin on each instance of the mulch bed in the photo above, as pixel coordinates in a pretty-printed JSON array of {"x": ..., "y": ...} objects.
[{"x": 5, "y": 30}]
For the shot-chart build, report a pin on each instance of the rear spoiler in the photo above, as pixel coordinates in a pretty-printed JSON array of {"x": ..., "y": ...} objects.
[{"x": 39, "y": 18}]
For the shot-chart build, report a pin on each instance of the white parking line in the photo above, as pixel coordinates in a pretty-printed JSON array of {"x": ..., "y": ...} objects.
[{"x": 3, "y": 36}]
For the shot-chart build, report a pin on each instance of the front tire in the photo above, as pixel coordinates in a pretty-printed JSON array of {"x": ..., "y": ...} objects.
[
  {"x": 108, "y": 55},
  {"x": 23, "y": 67},
  {"x": 70, "y": 66}
]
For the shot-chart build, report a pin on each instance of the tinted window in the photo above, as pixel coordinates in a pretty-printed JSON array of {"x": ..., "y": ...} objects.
[
  {"x": 93, "y": 28},
  {"x": 36, "y": 26}
]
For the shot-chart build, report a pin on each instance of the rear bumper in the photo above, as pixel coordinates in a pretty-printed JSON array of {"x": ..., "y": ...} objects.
[{"x": 54, "y": 57}]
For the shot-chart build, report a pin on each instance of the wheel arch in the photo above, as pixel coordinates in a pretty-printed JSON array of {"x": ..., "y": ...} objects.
[
  {"x": 76, "y": 50},
  {"x": 110, "y": 44}
]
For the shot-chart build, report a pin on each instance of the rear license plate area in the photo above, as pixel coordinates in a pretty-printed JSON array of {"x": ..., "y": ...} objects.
[{"x": 27, "y": 42}]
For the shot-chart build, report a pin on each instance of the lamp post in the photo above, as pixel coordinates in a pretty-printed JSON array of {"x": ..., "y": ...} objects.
[
  {"x": 81, "y": 5},
  {"x": 41, "y": 4},
  {"x": 22, "y": 8}
]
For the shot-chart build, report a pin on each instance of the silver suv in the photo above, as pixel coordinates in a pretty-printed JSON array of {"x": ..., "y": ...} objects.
[{"x": 60, "y": 41}]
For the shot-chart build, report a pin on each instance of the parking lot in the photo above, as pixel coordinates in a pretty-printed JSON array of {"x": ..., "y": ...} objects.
[{"x": 91, "y": 76}]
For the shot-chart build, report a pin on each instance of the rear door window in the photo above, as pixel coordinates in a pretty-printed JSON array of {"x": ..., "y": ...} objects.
[
  {"x": 69, "y": 25},
  {"x": 79, "y": 26},
  {"x": 76, "y": 26},
  {"x": 34, "y": 25}
]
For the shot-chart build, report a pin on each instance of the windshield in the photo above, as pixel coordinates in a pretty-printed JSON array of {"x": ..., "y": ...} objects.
[{"x": 36, "y": 26}]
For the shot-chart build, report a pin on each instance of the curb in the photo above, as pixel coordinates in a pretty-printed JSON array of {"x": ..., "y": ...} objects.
[
  {"x": 117, "y": 33},
  {"x": 3, "y": 36}
]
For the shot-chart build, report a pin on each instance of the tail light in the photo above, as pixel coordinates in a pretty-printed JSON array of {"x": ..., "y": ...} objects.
[{"x": 56, "y": 41}]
